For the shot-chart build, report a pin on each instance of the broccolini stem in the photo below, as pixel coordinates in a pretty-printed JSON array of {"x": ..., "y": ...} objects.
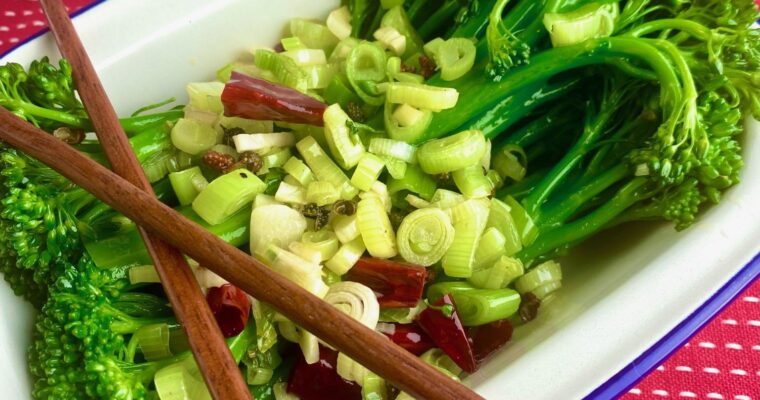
[
  {"x": 555, "y": 214},
  {"x": 436, "y": 22},
  {"x": 34, "y": 111},
  {"x": 695, "y": 29},
  {"x": 560, "y": 117},
  {"x": 568, "y": 234}
]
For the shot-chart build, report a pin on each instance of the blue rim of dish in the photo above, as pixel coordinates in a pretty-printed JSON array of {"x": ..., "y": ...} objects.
[
  {"x": 45, "y": 30},
  {"x": 632, "y": 373}
]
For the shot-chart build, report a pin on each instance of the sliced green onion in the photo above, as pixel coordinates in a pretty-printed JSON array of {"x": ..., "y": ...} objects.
[
  {"x": 416, "y": 202},
  {"x": 375, "y": 228},
  {"x": 414, "y": 181},
  {"x": 275, "y": 224},
  {"x": 490, "y": 248},
  {"x": 306, "y": 57},
  {"x": 446, "y": 199},
  {"x": 339, "y": 22},
  {"x": 264, "y": 200},
  {"x": 397, "y": 19},
  {"x": 541, "y": 280},
  {"x": 393, "y": 69},
  {"x": 309, "y": 345},
  {"x": 345, "y": 227},
  {"x": 343, "y": 48},
  {"x": 301, "y": 272},
  {"x": 313, "y": 35},
  {"x": 367, "y": 172},
  {"x": 292, "y": 43},
  {"x": 258, "y": 141},
  {"x": 393, "y": 148},
  {"x": 280, "y": 392},
  {"x": 365, "y": 68},
  {"x": 205, "y": 96},
  {"x": 247, "y": 125},
  {"x": 346, "y": 256},
  {"x": 355, "y": 300},
  {"x": 308, "y": 253},
  {"x": 421, "y": 96},
  {"x": 290, "y": 181},
  {"x": 180, "y": 381},
  {"x": 320, "y": 76},
  {"x": 275, "y": 159},
  {"x": 324, "y": 168},
  {"x": 391, "y": 39},
  {"x": 373, "y": 387},
  {"x": 478, "y": 306},
  {"x": 143, "y": 274},
  {"x": 485, "y": 161},
  {"x": 349, "y": 369},
  {"x": 153, "y": 341},
  {"x": 226, "y": 195},
  {"x": 408, "y": 116},
  {"x": 402, "y": 315},
  {"x": 503, "y": 271},
  {"x": 500, "y": 217},
  {"x": 323, "y": 241},
  {"x": 321, "y": 193},
  {"x": 263, "y": 316},
  {"x": 395, "y": 167},
  {"x": 494, "y": 179},
  {"x": 472, "y": 183},
  {"x": 345, "y": 145},
  {"x": 452, "y": 153},
  {"x": 283, "y": 69},
  {"x": 424, "y": 236},
  {"x": 187, "y": 184},
  {"x": 442, "y": 362},
  {"x": 299, "y": 171},
  {"x": 379, "y": 190},
  {"x": 193, "y": 137},
  {"x": 591, "y": 21},
  {"x": 469, "y": 220},
  {"x": 510, "y": 161},
  {"x": 454, "y": 57},
  {"x": 291, "y": 194},
  {"x": 523, "y": 221}
]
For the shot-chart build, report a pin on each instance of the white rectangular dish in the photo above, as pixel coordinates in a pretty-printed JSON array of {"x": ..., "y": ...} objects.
[{"x": 620, "y": 312}]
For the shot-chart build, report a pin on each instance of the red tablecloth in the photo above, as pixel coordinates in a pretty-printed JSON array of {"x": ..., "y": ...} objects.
[{"x": 721, "y": 362}]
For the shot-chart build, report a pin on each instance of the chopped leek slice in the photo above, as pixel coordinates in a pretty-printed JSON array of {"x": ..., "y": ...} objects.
[
  {"x": 320, "y": 76},
  {"x": 291, "y": 194},
  {"x": 346, "y": 256},
  {"x": 393, "y": 69},
  {"x": 292, "y": 43},
  {"x": 593, "y": 20},
  {"x": 313, "y": 35},
  {"x": 324, "y": 242},
  {"x": 490, "y": 247},
  {"x": 424, "y": 236},
  {"x": 303, "y": 273},
  {"x": 523, "y": 221},
  {"x": 284, "y": 69},
  {"x": 501, "y": 219},
  {"x": 324, "y": 168},
  {"x": 153, "y": 341},
  {"x": 280, "y": 392},
  {"x": 393, "y": 148},
  {"x": 391, "y": 39},
  {"x": 414, "y": 181},
  {"x": 345, "y": 227},
  {"x": 226, "y": 195},
  {"x": 503, "y": 271},
  {"x": 472, "y": 182},
  {"x": 365, "y": 68},
  {"x": 299, "y": 171},
  {"x": 345, "y": 145},
  {"x": 469, "y": 220},
  {"x": 187, "y": 184},
  {"x": 375, "y": 227},
  {"x": 143, "y": 274},
  {"x": 367, "y": 171},
  {"x": 397, "y": 19},
  {"x": 205, "y": 96},
  {"x": 422, "y": 96},
  {"x": 541, "y": 280},
  {"x": 510, "y": 161},
  {"x": 193, "y": 137},
  {"x": 339, "y": 22},
  {"x": 259, "y": 141},
  {"x": 181, "y": 381},
  {"x": 306, "y": 57},
  {"x": 395, "y": 167},
  {"x": 373, "y": 387},
  {"x": 343, "y": 48},
  {"x": 321, "y": 193},
  {"x": 454, "y": 57},
  {"x": 452, "y": 153},
  {"x": 355, "y": 300},
  {"x": 275, "y": 224}
]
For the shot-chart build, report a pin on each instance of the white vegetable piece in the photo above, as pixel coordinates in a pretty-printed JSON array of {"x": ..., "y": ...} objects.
[
  {"x": 391, "y": 39},
  {"x": 275, "y": 224},
  {"x": 339, "y": 22},
  {"x": 258, "y": 141}
]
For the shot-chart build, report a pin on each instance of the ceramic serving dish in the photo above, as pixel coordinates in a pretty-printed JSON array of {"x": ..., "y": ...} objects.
[{"x": 631, "y": 296}]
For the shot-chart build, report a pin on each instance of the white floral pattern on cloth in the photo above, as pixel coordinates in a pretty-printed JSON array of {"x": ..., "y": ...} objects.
[{"x": 720, "y": 362}]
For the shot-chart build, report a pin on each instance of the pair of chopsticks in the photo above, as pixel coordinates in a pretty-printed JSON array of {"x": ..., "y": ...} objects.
[{"x": 130, "y": 193}]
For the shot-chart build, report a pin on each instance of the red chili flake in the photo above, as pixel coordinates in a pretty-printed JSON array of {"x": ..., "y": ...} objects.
[
  {"x": 398, "y": 284},
  {"x": 411, "y": 338},
  {"x": 490, "y": 337},
  {"x": 248, "y": 97},
  {"x": 448, "y": 333},
  {"x": 231, "y": 308},
  {"x": 320, "y": 381}
]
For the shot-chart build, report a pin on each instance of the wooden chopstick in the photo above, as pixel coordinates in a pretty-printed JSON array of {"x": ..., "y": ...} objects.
[
  {"x": 219, "y": 369},
  {"x": 362, "y": 344}
]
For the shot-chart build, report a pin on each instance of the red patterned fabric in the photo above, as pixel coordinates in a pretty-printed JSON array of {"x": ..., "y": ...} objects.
[{"x": 720, "y": 362}]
